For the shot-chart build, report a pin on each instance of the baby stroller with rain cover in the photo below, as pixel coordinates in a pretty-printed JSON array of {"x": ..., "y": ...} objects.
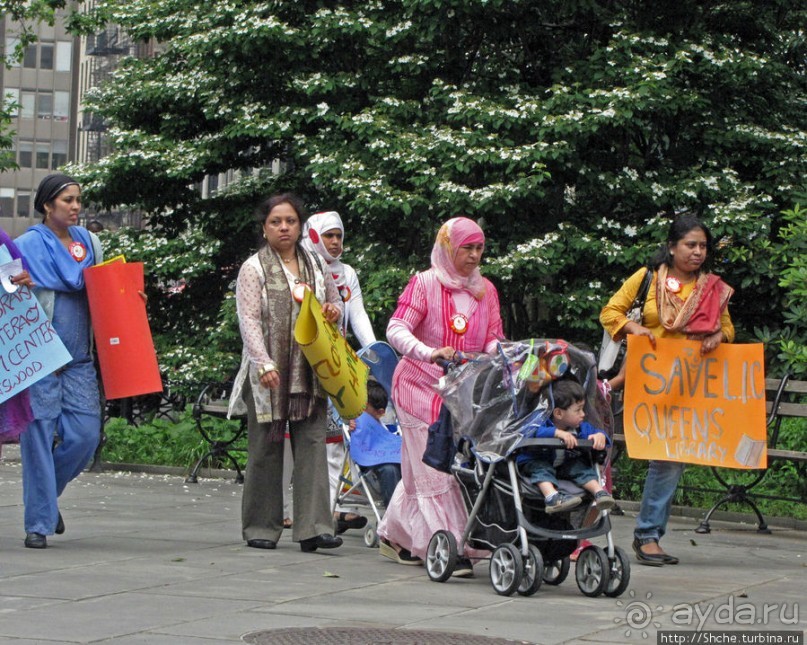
[
  {"x": 359, "y": 489},
  {"x": 492, "y": 401}
]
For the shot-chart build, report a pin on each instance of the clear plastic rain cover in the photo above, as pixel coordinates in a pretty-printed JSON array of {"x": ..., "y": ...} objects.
[{"x": 496, "y": 399}]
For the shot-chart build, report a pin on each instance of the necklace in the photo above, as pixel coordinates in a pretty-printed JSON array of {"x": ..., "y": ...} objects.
[{"x": 287, "y": 260}]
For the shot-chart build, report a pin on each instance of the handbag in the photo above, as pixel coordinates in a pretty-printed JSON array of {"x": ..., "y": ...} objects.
[
  {"x": 612, "y": 352},
  {"x": 440, "y": 447}
]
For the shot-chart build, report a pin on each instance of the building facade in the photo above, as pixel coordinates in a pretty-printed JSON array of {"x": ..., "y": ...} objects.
[{"x": 44, "y": 88}]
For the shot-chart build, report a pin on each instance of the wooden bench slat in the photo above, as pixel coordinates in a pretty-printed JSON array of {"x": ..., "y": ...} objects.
[
  {"x": 796, "y": 387},
  {"x": 787, "y": 409},
  {"x": 789, "y": 455},
  {"x": 793, "y": 387}
]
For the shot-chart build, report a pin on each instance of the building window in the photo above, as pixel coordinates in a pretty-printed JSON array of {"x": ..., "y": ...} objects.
[
  {"x": 61, "y": 105},
  {"x": 46, "y": 56},
  {"x": 26, "y": 152},
  {"x": 42, "y": 156},
  {"x": 212, "y": 185},
  {"x": 12, "y": 101},
  {"x": 59, "y": 156},
  {"x": 24, "y": 205},
  {"x": 29, "y": 58},
  {"x": 11, "y": 51},
  {"x": 44, "y": 108},
  {"x": 28, "y": 101},
  {"x": 64, "y": 56},
  {"x": 6, "y": 202}
]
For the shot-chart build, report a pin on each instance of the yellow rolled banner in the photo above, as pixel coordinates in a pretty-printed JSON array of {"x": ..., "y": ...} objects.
[{"x": 340, "y": 371}]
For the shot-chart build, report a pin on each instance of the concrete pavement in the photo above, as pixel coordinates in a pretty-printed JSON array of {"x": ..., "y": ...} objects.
[{"x": 147, "y": 558}]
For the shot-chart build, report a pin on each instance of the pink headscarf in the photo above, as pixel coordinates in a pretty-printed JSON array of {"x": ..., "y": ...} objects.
[{"x": 451, "y": 236}]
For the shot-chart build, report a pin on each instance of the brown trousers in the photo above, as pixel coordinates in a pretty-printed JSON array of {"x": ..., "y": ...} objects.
[{"x": 262, "y": 501}]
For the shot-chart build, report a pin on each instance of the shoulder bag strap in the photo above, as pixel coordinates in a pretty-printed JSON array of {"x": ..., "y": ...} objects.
[{"x": 641, "y": 295}]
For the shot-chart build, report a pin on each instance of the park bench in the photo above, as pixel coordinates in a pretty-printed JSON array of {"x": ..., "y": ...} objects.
[
  {"x": 167, "y": 404},
  {"x": 212, "y": 404},
  {"x": 785, "y": 397}
]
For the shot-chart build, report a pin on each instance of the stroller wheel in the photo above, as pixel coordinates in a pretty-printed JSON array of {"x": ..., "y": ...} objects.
[
  {"x": 619, "y": 578},
  {"x": 441, "y": 556},
  {"x": 533, "y": 571},
  {"x": 370, "y": 536},
  {"x": 592, "y": 571},
  {"x": 557, "y": 571},
  {"x": 506, "y": 569}
]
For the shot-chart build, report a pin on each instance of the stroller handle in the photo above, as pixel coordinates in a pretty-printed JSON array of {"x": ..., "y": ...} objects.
[
  {"x": 586, "y": 445},
  {"x": 552, "y": 442},
  {"x": 447, "y": 366}
]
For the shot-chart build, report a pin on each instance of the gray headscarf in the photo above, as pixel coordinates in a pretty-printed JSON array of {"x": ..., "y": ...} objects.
[{"x": 49, "y": 188}]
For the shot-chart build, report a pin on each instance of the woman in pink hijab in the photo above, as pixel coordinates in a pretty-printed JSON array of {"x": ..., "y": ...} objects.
[{"x": 448, "y": 309}]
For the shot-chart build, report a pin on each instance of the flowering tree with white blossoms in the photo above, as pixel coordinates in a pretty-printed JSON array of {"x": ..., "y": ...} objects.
[{"x": 573, "y": 129}]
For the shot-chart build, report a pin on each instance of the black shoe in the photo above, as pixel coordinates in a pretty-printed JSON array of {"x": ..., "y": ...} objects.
[
  {"x": 669, "y": 559},
  {"x": 464, "y": 568},
  {"x": 343, "y": 524},
  {"x": 60, "y": 525},
  {"x": 36, "y": 541},
  {"x": 650, "y": 559},
  {"x": 262, "y": 544},
  {"x": 323, "y": 541}
]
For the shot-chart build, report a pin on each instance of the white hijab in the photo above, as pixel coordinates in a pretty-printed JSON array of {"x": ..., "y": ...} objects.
[{"x": 315, "y": 226}]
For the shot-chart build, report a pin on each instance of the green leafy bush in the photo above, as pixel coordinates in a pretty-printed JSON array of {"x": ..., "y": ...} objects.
[{"x": 167, "y": 443}]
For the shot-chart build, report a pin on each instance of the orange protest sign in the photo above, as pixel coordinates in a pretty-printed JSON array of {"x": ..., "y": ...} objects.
[
  {"x": 122, "y": 334},
  {"x": 708, "y": 410}
]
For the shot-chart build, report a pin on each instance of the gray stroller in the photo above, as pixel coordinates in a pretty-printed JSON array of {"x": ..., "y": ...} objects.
[{"x": 492, "y": 400}]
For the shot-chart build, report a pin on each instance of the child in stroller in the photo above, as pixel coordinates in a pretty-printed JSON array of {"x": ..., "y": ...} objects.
[
  {"x": 546, "y": 466},
  {"x": 373, "y": 448},
  {"x": 496, "y": 403}
]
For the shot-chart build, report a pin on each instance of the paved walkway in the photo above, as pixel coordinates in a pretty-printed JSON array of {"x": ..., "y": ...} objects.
[{"x": 150, "y": 559}]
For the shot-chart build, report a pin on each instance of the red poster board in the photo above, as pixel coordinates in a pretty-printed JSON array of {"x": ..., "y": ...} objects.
[{"x": 121, "y": 327}]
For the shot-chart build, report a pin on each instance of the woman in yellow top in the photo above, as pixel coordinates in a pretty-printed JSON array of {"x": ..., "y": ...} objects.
[{"x": 683, "y": 301}]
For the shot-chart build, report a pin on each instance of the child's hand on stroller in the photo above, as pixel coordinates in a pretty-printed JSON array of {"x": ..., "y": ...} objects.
[
  {"x": 598, "y": 441},
  {"x": 568, "y": 439}
]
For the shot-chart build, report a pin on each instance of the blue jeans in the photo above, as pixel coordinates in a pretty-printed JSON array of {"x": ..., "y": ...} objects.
[
  {"x": 657, "y": 497},
  {"x": 577, "y": 470},
  {"x": 387, "y": 477}
]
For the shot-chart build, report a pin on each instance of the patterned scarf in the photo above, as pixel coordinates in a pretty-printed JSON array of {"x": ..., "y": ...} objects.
[
  {"x": 295, "y": 397},
  {"x": 699, "y": 314}
]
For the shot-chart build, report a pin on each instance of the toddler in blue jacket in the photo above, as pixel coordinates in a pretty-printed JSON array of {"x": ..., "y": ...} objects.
[{"x": 545, "y": 467}]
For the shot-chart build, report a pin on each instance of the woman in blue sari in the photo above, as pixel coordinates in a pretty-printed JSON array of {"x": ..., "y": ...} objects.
[{"x": 62, "y": 438}]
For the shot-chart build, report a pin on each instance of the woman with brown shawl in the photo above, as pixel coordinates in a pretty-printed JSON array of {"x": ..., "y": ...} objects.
[
  {"x": 683, "y": 302},
  {"x": 275, "y": 386}
]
